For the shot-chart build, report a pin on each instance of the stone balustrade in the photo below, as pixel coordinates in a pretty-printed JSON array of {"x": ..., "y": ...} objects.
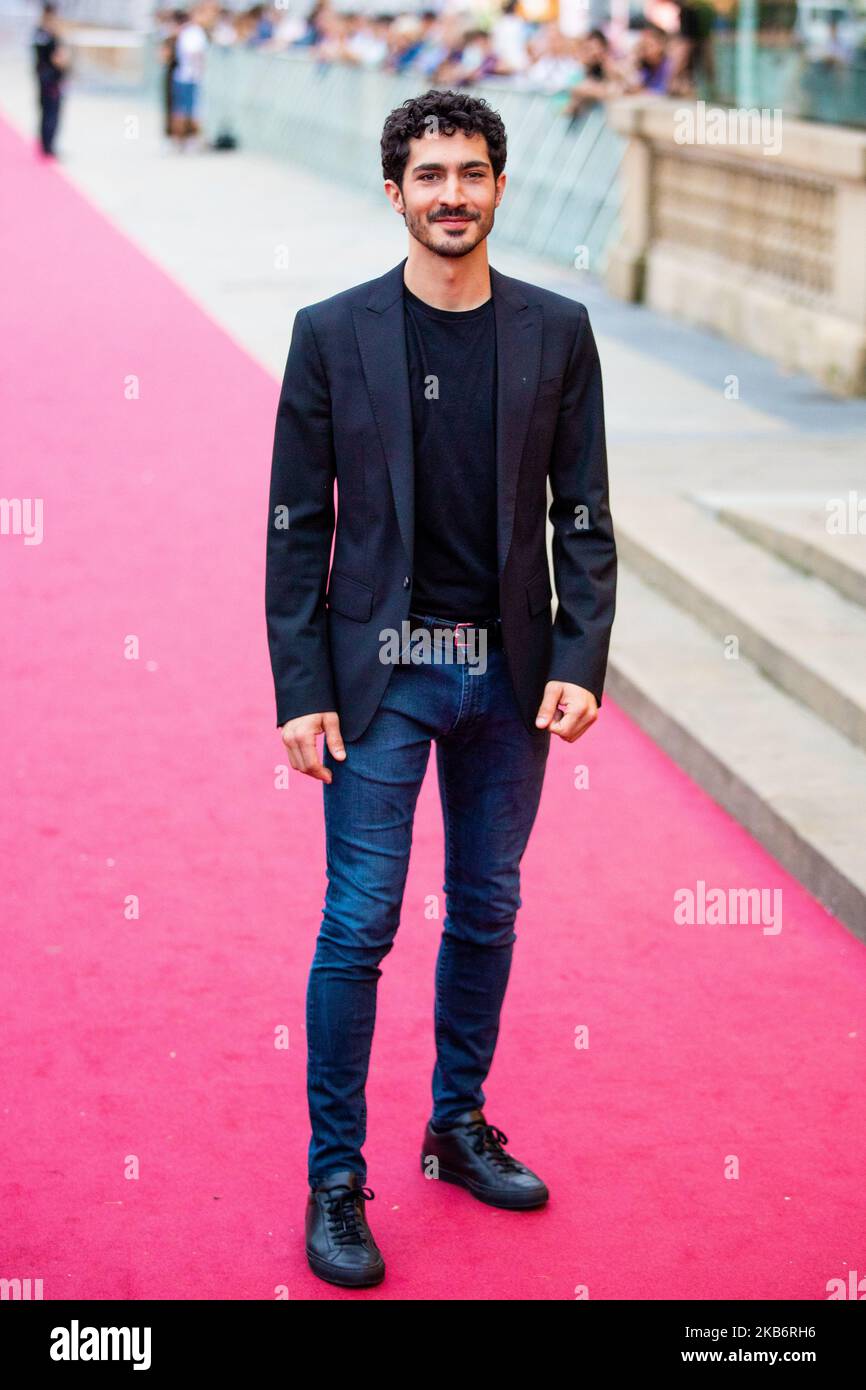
[{"x": 749, "y": 223}]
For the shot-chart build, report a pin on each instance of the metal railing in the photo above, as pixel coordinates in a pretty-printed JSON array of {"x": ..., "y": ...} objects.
[{"x": 785, "y": 77}]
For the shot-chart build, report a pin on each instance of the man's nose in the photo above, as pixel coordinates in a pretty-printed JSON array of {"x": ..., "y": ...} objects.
[{"x": 451, "y": 195}]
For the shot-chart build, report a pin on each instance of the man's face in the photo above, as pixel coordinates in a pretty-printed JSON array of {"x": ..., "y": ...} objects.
[{"x": 449, "y": 192}]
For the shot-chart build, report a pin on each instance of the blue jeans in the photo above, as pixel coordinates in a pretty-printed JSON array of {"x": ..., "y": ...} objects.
[
  {"x": 49, "y": 97},
  {"x": 490, "y": 770},
  {"x": 184, "y": 97}
]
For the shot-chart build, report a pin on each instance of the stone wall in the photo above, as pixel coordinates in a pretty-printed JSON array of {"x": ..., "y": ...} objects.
[{"x": 754, "y": 227}]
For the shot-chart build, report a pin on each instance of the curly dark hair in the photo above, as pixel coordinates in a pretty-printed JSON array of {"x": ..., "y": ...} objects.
[{"x": 452, "y": 111}]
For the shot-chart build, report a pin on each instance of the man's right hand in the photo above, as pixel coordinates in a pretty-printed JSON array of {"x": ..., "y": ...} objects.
[{"x": 299, "y": 736}]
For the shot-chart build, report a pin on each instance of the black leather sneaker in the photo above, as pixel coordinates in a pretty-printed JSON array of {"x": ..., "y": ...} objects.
[
  {"x": 471, "y": 1154},
  {"x": 340, "y": 1244}
]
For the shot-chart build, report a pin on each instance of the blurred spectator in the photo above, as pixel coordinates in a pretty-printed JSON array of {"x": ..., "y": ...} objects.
[
  {"x": 602, "y": 77},
  {"x": 651, "y": 64},
  {"x": 458, "y": 43},
  {"x": 695, "y": 48},
  {"x": 441, "y": 56},
  {"x": 190, "y": 48},
  {"x": 367, "y": 40},
  {"x": 261, "y": 26},
  {"x": 314, "y": 30},
  {"x": 168, "y": 24},
  {"x": 478, "y": 59},
  {"x": 224, "y": 34},
  {"x": 833, "y": 51},
  {"x": 331, "y": 46},
  {"x": 51, "y": 58},
  {"x": 510, "y": 33},
  {"x": 680, "y": 82},
  {"x": 406, "y": 37},
  {"x": 555, "y": 65}
]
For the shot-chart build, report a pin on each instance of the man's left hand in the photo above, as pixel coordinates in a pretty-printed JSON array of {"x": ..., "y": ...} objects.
[{"x": 579, "y": 714}]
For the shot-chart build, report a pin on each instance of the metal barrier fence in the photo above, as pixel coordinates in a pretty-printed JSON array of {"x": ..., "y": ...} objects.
[
  {"x": 784, "y": 77},
  {"x": 563, "y": 194}
]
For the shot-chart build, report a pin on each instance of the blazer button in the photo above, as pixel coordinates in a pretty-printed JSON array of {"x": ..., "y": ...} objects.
[{"x": 406, "y": 582}]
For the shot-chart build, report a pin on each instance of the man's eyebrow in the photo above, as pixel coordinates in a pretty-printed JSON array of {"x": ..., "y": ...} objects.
[{"x": 467, "y": 164}]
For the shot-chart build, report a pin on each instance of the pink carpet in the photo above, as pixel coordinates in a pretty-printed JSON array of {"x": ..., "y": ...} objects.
[{"x": 150, "y": 1040}]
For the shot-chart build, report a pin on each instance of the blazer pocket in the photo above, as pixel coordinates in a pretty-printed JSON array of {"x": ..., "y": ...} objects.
[
  {"x": 350, "y": 597},
  {"x": 550, "y": 386},
  {"x": 539, "y": 593}
]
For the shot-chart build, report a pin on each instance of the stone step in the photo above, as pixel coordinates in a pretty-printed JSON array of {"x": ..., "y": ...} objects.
[
  {"x": 814, "y": 532},
  {"x": 791, "y": 779},
  {"x": 796, "y": 628}
]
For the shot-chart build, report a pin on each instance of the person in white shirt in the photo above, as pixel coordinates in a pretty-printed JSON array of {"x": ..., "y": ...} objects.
[
  {"x": 510, "y": 32},
  {"x": 555, "y": 66},
  {"x": 190, "y": 47}
]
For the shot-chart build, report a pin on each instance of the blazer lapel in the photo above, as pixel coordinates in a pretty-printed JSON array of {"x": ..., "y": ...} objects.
[
  {"x": 381, "y": 336},
  {"x": 518, "y": 363},
  {"x": 380, "y": 333}
]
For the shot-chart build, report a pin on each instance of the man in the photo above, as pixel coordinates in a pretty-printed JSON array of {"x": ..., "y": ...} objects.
[
  {"x": 441, "y": 397},
  {"x": 190, "y": 49},
  {"x": 51, "y": 63}
]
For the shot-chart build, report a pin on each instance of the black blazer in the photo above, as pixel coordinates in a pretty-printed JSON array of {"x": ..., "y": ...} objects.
[{"x": 344, "y": 412}]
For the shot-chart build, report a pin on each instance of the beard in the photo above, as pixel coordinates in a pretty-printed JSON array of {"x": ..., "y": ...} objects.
[{"x": 444, "y": 241}]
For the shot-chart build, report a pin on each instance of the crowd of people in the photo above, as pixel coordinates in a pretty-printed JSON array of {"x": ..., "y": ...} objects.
[
  {"x": 665, "y": 49},
  {"x": 446, "y": 47}
]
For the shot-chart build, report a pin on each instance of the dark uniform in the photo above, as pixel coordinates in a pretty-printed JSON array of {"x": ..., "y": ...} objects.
[{"x": 50, "y": 78}]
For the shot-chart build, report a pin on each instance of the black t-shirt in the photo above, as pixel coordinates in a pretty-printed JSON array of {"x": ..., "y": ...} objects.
[{"x": 452, "y": 383}]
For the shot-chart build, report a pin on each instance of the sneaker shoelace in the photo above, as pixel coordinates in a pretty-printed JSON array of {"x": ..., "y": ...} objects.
[
  {"x": 489, "y": 1141},
  {"x": 344, "y": 1214}
]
